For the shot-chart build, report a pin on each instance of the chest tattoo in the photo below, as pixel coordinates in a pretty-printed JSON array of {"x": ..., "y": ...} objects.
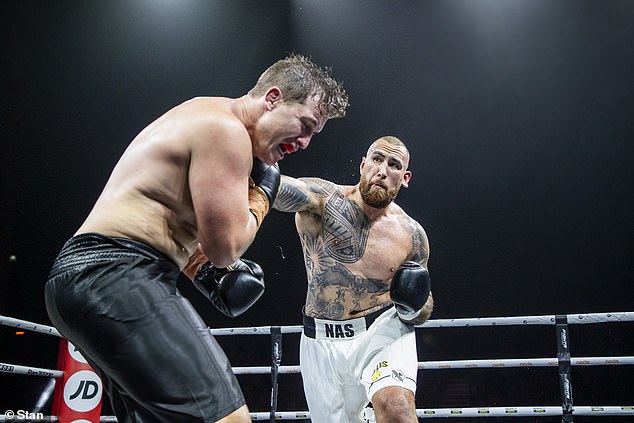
[
  {"x": 332, "y": 289},
  {"x": 346, "y": 229}
]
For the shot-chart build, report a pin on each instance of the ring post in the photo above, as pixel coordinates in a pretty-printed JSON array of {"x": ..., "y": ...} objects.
[
  {"x": 563, "y": 360},
  {"x": 276, "y": 359},
  {"x": 79, "y": 395}
]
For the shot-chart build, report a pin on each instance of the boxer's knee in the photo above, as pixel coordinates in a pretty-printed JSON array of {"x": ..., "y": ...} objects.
[
  {"x": 394, "y": 404},
  {"x": 241, "y": 415}
]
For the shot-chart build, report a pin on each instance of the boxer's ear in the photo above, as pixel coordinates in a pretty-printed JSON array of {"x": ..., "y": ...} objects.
[
  {"x": 407, "y": 176},
  {"x": 272, "y": 97}
]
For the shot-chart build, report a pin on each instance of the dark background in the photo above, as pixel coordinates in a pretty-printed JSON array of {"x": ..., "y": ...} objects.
[{"x": 518, "y": 115}]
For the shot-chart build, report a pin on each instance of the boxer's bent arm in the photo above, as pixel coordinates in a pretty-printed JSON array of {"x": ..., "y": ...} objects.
[
  {"x": 420, "y": 254},
  {"x": 420, "y": 243},
  {"x": 218, "y": 177},
  {"x": 303, "y": 194}
]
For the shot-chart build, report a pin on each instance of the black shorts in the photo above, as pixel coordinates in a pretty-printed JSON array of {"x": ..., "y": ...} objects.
[{"x": 117, "y": 301}]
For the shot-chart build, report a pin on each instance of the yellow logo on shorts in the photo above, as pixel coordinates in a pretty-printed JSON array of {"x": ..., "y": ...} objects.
[{"x": 377, "y": 370}]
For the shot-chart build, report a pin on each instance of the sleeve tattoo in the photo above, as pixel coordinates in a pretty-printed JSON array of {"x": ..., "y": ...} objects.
[{"x": 297, "y": 194}]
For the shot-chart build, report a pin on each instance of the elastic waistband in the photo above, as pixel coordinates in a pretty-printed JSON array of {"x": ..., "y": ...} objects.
[
  {"x": 338, "y": 330},
  {"x": 92, "y": 239},
  {"x": 93, "y": 248}
]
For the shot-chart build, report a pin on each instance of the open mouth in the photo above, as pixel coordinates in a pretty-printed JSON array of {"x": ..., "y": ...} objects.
[{"x": 286, "y": 148}]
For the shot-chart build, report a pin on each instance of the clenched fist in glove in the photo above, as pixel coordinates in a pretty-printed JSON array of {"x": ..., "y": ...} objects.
[
  {"x": 264, "y": 182},
  {"x": 409, "y": 290},
  {"x": 232, "y": 289}
]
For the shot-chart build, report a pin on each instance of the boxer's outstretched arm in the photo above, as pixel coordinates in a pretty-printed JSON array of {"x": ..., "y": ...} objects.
[{"x": 303, "y": 194}]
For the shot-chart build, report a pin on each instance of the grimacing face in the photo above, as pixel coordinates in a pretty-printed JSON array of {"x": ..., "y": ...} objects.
[
  {"x": 287, "y": 127},
  {"x": 383, "y": 172}
]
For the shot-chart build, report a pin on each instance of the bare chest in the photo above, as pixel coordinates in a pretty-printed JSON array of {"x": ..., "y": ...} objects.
[{"x": 362, "y": 245}]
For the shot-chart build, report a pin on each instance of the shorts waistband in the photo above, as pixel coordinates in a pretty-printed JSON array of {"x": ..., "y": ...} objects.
[
  {"x": 339, "y": 330},
  {"x": 93, "y": 239},
  {"x": 92, "y": 248}
]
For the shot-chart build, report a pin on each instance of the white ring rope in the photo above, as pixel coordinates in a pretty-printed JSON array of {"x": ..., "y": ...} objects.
[
  {"x": 23, "y": 324},
  {"x": 31, "y": 371},
  {"x": 472, "y": 364},
  {"x": 429, "y": 365},
  {"x": 572, "y": 319},
  {"x": 523, "y": 362},
  {"x": 433, "y": 323},
  {"x": 536, "y": 411},
  {"x": 522, "y": 411}
]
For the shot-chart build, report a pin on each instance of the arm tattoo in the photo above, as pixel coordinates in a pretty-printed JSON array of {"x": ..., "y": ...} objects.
[
  {"x": 319, "y": 187},
  {"x": 419, "y": 243},
  {"x": 293, "y": 196},
  {"x": 346, "y": 229},
  {"x": 290, "y": 198}
]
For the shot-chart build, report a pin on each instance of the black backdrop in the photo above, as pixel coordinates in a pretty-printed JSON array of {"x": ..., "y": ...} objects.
[{"x": 518, "y": 115}]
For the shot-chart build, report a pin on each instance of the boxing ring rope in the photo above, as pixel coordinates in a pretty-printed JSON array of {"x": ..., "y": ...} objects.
[{"x": 563, "y": 361}]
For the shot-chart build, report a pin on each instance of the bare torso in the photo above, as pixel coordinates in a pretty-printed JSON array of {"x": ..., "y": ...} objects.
[
  {"x": 350, "y": 258},
  {"x": 147, "y": 197}
]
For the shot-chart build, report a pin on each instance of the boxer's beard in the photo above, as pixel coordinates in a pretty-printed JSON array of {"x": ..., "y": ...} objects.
[{"x": 378, "y": 198}]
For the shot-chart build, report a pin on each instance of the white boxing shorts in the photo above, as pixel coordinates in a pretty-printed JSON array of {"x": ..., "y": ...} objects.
[{"x": 345, "y": 362}]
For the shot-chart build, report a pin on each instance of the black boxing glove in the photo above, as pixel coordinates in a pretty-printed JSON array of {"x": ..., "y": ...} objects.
[
  {"x": 266, "y": 177},
  {"x": 410, "y": 289},
  {"x": 264, "y": 182},
  {"x": 232, "y": 289}
]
